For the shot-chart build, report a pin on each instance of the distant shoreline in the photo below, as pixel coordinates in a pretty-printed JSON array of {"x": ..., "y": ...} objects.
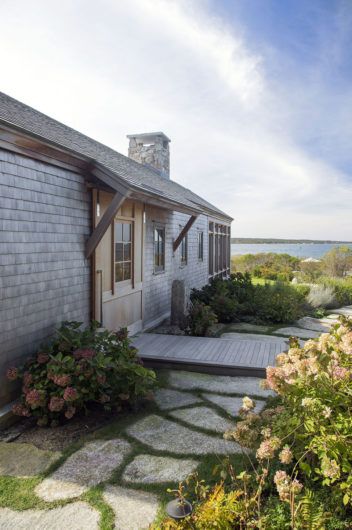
[{"x": 249, "y": 240}]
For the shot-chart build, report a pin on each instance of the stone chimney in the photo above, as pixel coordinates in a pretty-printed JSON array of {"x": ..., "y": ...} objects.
[{"x": 151, "y": 149}]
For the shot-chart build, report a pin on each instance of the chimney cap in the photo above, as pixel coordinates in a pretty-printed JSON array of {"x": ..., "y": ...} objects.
[{"x": 149, "y": 136}]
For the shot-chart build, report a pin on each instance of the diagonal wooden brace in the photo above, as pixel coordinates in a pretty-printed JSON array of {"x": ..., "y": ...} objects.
[
  {"x": 105, "y": 222},
  {"x": 184, "y": 232}
]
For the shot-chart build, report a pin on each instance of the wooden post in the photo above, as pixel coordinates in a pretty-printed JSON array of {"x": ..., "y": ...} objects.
[
  {"x": 105, "y": 222},
  {"x": 184, "y": 232}
]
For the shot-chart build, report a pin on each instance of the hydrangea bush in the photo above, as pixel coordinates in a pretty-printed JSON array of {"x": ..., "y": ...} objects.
[
  {"x": 78, "y": 368},
  {"x": 299, "y": 450}
]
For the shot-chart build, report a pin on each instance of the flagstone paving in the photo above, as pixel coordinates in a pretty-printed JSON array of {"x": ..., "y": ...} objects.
[
  {"x": 24, "y": 460},
  {"x": 134, "y": 510},
  {"x": 165, "y": 435},
  {"x": 87, "y": 467},
  {"x": 149, "y": 469},
  {"x": 231, "y": 405},
  {"x": 301, "y": 333},
  {"x": 166, "y": 398},
  {"x": 217, "y": 383},
  {"x": 346, "y": 311},
  {"x": 203, "y": 417},
  {"x": 316, "y": 324},
  {"x": 98, "y": 461},
  {"x": 76, "y": 516}
]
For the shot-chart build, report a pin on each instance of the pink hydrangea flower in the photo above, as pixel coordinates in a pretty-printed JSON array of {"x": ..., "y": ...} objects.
[
  {"x": 56, "y": 404},
  {"x": 70, "y": 394},
  {"x": 62, "y": 380},
  {"x": 42, "y": 358},
  {"x": 87, "y": 353},
  {"x": 12, "y": 373},
  {"x": 35, "y": 398},
  {"x": 27, "y": 378},
  {"x": 21, "y": 410}
]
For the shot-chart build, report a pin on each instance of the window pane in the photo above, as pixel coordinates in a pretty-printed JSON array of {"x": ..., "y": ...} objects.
[
  {"x": 118, "y": 272},
  {"x": 118, "y": 251},
  {"x": 118, "y": 231},
  {"x": 127, "y": 251},
  {"x": 159, "y": 248},
  {"x": 127, "y": 232},
  {"x": 127, "y": 271}
]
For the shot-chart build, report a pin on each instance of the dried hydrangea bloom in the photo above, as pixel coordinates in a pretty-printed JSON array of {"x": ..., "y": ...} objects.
[
  {"x": 286, "y": 455},
  {"x": 267, "y": 448},
  {"x": 330, "y": 468}
]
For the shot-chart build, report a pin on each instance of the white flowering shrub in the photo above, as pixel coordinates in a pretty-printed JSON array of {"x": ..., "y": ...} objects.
[
  {"x": 301, "y": 476},
  {"x": 321, "y": 296}
]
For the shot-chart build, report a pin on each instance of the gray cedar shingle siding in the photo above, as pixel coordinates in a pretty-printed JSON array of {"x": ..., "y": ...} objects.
[
  {"x": 157, "y": 286},
  {"x": 44, "y": 278}
]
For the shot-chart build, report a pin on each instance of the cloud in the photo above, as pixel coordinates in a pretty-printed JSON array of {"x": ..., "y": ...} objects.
[{"x": 124, "y": 67}]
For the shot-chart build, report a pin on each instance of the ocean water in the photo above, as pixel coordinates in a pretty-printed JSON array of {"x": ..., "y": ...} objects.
[{"x": 300, "y": 250}]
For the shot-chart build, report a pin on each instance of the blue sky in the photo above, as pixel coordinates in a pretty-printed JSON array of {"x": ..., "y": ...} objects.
[{"x": 256, "y": 95}]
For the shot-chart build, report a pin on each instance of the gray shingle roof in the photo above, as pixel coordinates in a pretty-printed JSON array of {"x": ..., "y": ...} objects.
[{"x": 16, "y": 114}]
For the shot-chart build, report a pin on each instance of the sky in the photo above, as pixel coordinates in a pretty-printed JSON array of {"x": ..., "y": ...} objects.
[{"x": 256, "y": 95}]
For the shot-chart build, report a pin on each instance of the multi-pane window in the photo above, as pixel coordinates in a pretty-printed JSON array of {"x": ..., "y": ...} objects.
[
  {"x": 219, "y": 250},
  {"x": 123, "y": 250},
  {"x": 183, "y": 251},
  {"x": 200, "y": 245},
  {"x": 159, "y": 249}
]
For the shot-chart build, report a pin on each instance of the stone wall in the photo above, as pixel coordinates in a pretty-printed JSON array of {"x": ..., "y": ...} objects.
[
  {"x": 44, "y": 278},
  {"x": 157, "y": 285}
]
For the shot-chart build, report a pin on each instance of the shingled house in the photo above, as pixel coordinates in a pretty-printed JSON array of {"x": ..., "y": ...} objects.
[{"x": 87, "y": 232}]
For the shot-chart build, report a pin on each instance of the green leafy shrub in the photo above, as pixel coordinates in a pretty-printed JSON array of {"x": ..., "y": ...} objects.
[
  {"x": 200, "y": 319},
  {"x": 237, "y": 298},
  {"x": 278, "y": 303},
  {"x": 342, "y": 289},
  {"x": 267, "y": 265},
  {"x": 78, "y": 368}
]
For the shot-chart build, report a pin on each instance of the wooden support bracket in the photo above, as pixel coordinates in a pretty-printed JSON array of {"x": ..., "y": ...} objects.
[
  {"x": 184, "y": 232},
  {"x": 105, "y": 222}
]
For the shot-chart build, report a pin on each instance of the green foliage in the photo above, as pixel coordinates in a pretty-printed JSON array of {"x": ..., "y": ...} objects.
[
  {"x": 270, "y": 266},
  {"x": 338, "y": 261},
  {"x": 277, "y": 303},
  {"x": 200, "y": 319},
  {"x": 342, "y": 288},
  {"x": 302, "y": 476},
  {"x": 237, "y": 298},
  {"x": 315, "y": 384},
  {"x": 78, "y": 368}
]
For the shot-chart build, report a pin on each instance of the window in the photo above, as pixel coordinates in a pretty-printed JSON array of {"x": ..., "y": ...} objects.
[
  {"x": 219, "y": 250},
  {"x": 159, "y": 249},
  {"x": 200, "y": 246},
  {"x": 123, "y": 250},
  {"x": 183, "y": 247}
]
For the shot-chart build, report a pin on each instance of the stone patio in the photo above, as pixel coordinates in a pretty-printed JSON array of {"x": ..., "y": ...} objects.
[
  {"x": 189, "y": 425},
  {"x": 25, "y": 460}
]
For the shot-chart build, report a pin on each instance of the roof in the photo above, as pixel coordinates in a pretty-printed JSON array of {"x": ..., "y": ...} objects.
[{"x": 138, "y": 177}]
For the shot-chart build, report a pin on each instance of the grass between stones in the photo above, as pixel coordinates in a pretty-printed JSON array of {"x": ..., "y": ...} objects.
[{"x": 18, "y": 493}]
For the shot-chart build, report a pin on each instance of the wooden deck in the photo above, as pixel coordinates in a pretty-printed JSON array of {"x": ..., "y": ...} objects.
[{"x": 222, "y": 356}]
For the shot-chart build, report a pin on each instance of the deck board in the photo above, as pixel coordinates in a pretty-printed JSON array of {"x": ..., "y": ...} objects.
[{"x": 247, "y": 357}]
